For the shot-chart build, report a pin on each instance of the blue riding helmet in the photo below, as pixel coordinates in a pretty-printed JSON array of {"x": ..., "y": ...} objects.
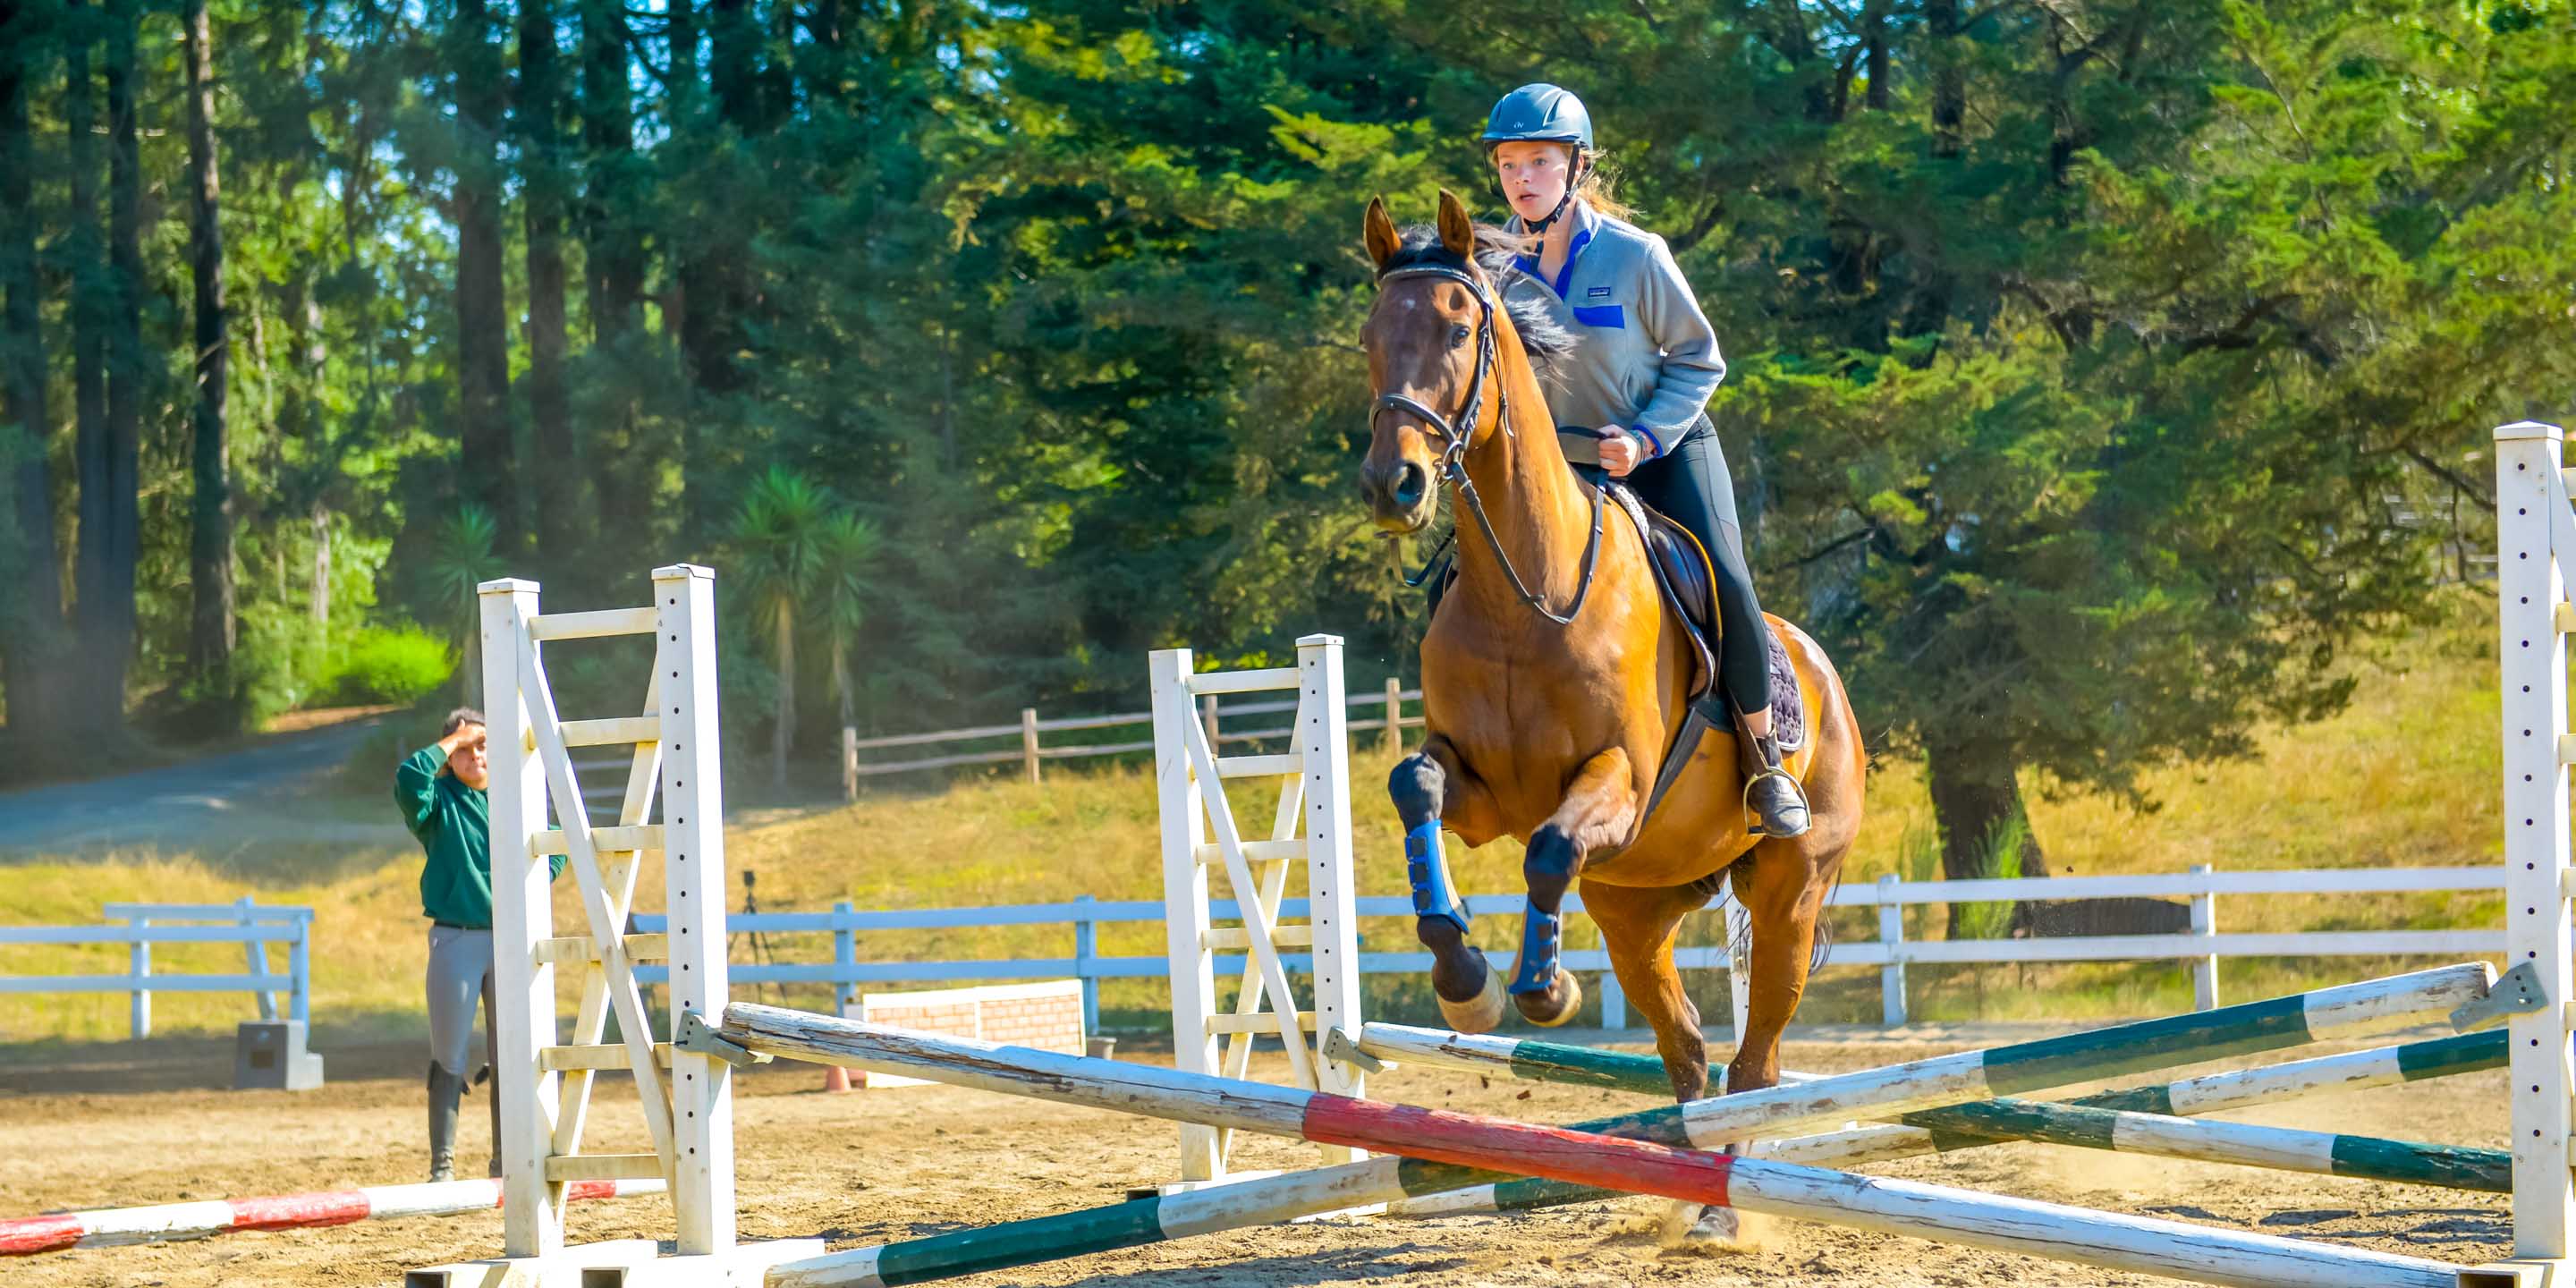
[{"x": 1540, "y": 113}]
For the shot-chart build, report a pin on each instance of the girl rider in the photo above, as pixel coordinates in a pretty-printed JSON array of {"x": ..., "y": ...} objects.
[{"x": 1641, "y": 377}]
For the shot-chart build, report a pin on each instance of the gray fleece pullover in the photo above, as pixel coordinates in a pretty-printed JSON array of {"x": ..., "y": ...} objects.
[{"x": 1647, "y": 358}]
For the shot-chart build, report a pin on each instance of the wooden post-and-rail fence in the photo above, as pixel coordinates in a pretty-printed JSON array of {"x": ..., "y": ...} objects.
[{"x": 1034, "y": 752}]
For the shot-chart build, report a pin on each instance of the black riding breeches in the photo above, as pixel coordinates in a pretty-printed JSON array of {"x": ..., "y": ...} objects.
[{"x": 1691, "y": 485}]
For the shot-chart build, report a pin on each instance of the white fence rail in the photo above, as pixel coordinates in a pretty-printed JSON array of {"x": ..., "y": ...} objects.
[
  {"x": 1891, "y": 952},
  {"x": 145, "y": 924},
  {"x": 1033, "y": 751}
]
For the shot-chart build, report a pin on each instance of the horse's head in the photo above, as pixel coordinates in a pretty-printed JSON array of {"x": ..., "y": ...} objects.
[{"x": 1431, "y": 351}]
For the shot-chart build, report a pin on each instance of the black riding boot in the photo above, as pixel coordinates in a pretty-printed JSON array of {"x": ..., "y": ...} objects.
[
  {"x": 1774, "y": 803},
  {"x": 445, "y": 1091},
  {"x": 493, "y": 1091}
]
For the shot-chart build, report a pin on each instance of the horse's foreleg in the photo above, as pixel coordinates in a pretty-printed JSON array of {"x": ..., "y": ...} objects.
[
  {"x": 1431, "y": 787},
  {"x": 1600, "y": 809}
]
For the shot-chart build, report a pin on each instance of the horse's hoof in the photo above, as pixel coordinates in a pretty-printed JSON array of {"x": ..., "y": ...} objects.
[
  {"x": 1555, "y": 1007},
  {"x": 1478, "y": 1014},
  {"x": 1697, "y": 1227}
]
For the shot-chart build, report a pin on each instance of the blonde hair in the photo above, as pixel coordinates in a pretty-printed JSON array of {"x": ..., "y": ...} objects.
[{"x": 1597, "y": 187}]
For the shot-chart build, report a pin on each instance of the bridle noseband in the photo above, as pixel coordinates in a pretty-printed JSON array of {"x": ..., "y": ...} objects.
[{"x": 1456, "y": 434}]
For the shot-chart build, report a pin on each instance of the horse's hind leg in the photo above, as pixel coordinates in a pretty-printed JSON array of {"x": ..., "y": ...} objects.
[
  {"x": 1600, "y": 809},
  {"x": 1638, "y": 926},
  {"x": 1431, "y": 788},
  {"x": 1783, "y": 885}
]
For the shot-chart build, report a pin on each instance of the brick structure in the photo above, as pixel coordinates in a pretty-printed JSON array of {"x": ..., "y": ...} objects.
[{"x": 1047, "y": 1017}]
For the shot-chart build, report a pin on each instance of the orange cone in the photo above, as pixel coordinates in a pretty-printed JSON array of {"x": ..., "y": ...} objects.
[{"x": 836, "y": 1078}]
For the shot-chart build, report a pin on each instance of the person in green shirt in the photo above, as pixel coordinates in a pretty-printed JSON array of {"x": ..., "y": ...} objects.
[{"x": 442, "y": 791}]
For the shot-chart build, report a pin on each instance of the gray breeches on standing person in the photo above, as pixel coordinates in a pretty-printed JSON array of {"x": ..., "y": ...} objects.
[{"x": 460, "y": 974}]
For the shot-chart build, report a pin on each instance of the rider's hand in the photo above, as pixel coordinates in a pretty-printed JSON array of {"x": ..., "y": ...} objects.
[
  {"x": 1621, "y": 450},
  {"x": 449, "y": 744}
]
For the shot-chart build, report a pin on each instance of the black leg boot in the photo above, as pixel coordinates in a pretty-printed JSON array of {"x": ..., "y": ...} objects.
[
  {"x": 495, "y": 1098},
  {"x": 1774, "y": 803},
  {"x": 446, "y": 1091}
]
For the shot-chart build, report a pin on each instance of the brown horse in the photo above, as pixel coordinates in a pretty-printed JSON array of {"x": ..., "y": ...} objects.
[{"x": 1552, "y": 690}]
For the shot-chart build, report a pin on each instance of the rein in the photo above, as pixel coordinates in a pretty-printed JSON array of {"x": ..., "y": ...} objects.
[{"x": 1455, "y": 436}]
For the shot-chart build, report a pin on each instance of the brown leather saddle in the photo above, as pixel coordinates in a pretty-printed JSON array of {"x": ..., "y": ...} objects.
[{"x": 1689, "y": 585}]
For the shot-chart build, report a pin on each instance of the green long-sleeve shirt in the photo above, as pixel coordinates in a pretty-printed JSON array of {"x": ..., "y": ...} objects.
[{"x": 454, "y": 824}]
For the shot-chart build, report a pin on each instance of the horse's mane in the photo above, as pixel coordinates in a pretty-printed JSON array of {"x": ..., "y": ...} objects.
[{"x": 1498, "y": 253}]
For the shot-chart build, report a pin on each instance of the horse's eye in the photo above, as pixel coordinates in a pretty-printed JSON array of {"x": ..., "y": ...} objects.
[{"x": 1458, "y": 336}]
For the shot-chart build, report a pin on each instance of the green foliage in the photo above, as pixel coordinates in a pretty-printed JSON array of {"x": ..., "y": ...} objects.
[
  {"x": 2100, "y": 370},
  {"x": 398, "y": 664},
  {"x": 2001, "y": 851}
]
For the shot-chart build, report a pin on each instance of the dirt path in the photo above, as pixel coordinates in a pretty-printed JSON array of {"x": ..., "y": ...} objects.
[
  {"x": 870, "y": 1167},
  {"x": 219, "y": 793}
]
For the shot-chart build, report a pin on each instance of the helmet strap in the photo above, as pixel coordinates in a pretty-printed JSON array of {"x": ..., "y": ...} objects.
[{"x": 1573, "y": 178}]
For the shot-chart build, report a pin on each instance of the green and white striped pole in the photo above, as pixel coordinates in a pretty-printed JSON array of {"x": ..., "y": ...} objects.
[
  {"x": 1875, "y": 1204},
  {"x": 1940, "y": 1130},
  {"x": 2022, "y": 1068},
  {"x": 1531, "y": 1060},
  {"x": 1414, "y": 1187}
]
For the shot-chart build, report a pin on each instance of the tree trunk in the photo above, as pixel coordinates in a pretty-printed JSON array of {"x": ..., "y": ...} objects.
[
  {"x": 1929, "y": 311},
  {"x": 487, "y": 466},
  {"x": 109, "y": 606},
  {"x": 715, "y": 275},
  {"x": 848, "y": 704},
  {"x": 1949, "y": 77},
  {"x": 613, "y": 249},
  {"x": 1976, "y": 793},
  {"x": 34, "y": 647},
  {"x": 559, "y": 471},
  {"x": 321, "y": 601},
  {"x": 1882, "y": 76},
  {"x": 784, "y": 731},
  {"x": 101, "y": 699},
  {"x": 680, "y": 302},
  {"x": 210, "y": 533}
]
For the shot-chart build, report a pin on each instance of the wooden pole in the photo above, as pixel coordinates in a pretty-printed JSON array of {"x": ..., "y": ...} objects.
[
  {"x": 164, "y": 1222},
  {"x": 1394, "y": 716},
  {"x": 2023, "y": 1068},
  {"x": 1588, "y": 1158},
  {"x": 1029, "y": 741}
]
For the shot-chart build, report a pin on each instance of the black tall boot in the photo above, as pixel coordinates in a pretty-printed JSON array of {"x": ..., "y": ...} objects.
[
  {"x": 446, "y": 1090},
  {"x": 495, "y": 1100},
  {"x": 1774, "y": 803}
]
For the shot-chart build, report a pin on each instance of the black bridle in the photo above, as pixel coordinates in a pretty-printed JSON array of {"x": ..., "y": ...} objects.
[{"x": 1456, "y": 434}]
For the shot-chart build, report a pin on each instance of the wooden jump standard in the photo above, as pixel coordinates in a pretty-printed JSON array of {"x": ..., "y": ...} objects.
[{"x": 1644, "y": 1166}]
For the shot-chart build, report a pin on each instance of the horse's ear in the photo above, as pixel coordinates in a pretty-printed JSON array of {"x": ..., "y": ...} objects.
[
  {"x": 1457, "y": 231},
  {"x": 1379, "y": 232}
]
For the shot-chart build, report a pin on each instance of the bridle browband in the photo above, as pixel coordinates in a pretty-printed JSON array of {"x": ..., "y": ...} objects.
[{"x": 1456, "y": 434}]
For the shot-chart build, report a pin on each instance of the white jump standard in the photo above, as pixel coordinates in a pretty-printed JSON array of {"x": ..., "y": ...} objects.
[{"x": 545, "y": 1087}]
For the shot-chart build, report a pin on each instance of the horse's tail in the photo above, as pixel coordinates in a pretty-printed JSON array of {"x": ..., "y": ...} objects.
[{"x": 1739, "y": 919}]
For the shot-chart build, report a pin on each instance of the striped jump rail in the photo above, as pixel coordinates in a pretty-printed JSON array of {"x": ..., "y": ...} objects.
[
  {"x": 2027, "y": 1068},
  {"x": 1635, "y": 1166},
  {"x": 1412, "y": 1188},
  {"x": 167, "y": 1222},
  {"x": 2145, "y": 1120}
]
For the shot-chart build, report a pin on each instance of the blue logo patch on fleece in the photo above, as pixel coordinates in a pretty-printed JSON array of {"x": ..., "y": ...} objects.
[{"x": 1597, "y": 293}]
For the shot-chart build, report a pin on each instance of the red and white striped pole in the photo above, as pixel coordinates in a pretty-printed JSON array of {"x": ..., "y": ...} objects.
[{"x": 121, "y": 1227}]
